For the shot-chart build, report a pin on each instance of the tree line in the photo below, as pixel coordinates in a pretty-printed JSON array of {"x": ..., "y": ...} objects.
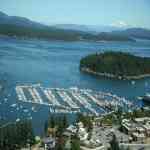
[
  {"x": 52, "y": 33},
  {"x": 17, "y": 135}
]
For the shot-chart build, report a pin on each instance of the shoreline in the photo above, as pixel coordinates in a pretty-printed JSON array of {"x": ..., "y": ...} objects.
[
  {"x": 63, "y": 40},
  {"x": 108, "y": 75}
]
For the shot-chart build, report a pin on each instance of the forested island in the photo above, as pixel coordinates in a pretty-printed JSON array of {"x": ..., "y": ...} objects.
[{"x": 116, "y": 65}]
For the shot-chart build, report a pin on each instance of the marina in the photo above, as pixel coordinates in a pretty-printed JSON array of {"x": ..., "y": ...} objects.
[{"x": 72, "y": 100}]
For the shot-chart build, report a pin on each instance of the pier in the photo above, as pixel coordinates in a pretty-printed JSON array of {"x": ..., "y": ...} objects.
[
  {"x": 67, "y": 99},
  {"x": 20, "y": 93},
  {"x": 84, "y": 102},
  {"x": 51, "y": 97}
]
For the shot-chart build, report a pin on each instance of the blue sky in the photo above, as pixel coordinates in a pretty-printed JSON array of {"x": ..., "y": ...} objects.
[{"x": 90, "y": 12}]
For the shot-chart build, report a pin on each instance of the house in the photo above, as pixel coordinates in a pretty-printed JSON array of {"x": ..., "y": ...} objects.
[
  {"x": 139, "y": 129},
  {"x": 147, "y": 128},
  {"x": 72, "y": 129},
  {"x": 51, "y": 131},
  {"x": 138, "y": 136},
  {"x": 128, "y": 127},
  {"x": 49, "y": 143},
  {"x": 82, "y": 133},
  {"x": 142, "y": 120}
]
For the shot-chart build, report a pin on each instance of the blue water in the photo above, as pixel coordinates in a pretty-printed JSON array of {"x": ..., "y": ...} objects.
[{"x": 56, "y": 64}]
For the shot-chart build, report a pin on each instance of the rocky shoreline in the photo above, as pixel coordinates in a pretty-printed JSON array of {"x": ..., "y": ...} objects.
[{"x": 108, "y": 75}]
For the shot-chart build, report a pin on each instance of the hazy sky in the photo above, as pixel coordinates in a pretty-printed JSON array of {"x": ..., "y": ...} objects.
[{"x": 90, "y": 12}]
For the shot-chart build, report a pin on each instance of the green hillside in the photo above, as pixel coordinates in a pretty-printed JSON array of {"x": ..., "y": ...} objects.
[
  {"x": 117, "y": 64},
  {"x": 51, "y": 33}
]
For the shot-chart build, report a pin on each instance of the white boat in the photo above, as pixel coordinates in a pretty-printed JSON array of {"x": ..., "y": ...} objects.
[
  {"x": 18, "y": 119},
  {"x": 133, "y": 82},
  {"x": 13, "y": 105},
  {"x": 25, "y": 110}
]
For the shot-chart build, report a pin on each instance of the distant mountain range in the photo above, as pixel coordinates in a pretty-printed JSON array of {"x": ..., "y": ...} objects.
[
  {"x": 113, "y": 30},
  {"x": 140, "y": 33},
  {"x": 23, "y": 27},
  {"x": 89, "y": 28}
]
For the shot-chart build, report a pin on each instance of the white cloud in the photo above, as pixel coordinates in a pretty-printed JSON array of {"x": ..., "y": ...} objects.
[{"x": 120, "y": 24}]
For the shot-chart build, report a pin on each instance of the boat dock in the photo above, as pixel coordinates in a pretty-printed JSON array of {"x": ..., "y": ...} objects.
[
  {"x": 67, "y": 99},
  {"x": 51, "y": 97},
  {"x": 71, "y": 100}
]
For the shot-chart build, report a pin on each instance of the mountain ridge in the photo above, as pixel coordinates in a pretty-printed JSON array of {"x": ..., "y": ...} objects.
[
  {"x": 89, "y": 28},
  {"x": 137, "y": 32},
  {"x": 21, "y": 26},
  {"x": 20, "y": 21}
]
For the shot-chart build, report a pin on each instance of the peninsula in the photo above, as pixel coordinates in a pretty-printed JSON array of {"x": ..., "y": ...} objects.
[{"x": 116, "y": 65}]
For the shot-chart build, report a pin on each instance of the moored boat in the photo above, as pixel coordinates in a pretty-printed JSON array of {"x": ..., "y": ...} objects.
[{"x": 146, "y": 98}]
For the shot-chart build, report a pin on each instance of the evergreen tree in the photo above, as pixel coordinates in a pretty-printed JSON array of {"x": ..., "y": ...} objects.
[
  {"x": 114, "y": 143},
  {"x": 51, "y": 122},
  {"x": 75, "y": 143},
  {"x": 45, "y": 127},
  {"x": 65, "y": 122},
  {"x": 17, "y": 135}
]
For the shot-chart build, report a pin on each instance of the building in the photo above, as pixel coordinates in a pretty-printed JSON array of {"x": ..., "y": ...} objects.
[
  {"x": 138, "y": 129},
  {"x": 72, "y": 129},
  {"x": 82, "y": 133},
  {"x": 138, "y": 136},
  {"x": 128, "y": 127},
  {"x": 49, "y": 143}
]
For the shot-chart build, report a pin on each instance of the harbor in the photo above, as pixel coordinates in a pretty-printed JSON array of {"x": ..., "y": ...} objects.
[{"x": 72, "y": 100}]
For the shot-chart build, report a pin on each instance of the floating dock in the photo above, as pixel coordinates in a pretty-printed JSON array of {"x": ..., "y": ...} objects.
[{"x": 71, "y": 100}]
